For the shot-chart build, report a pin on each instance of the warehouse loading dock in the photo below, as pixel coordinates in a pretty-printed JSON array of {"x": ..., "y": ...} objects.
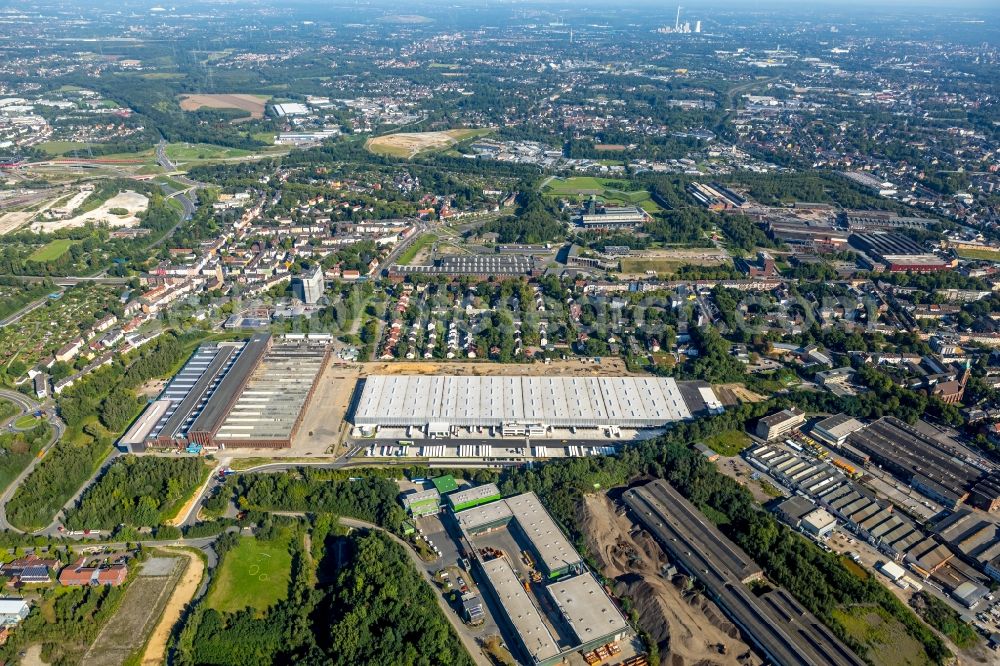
[
  {"x": 550, "y": 601},
  {"x": 525, "y": 403},
  {"x": 784, "y": 631}
]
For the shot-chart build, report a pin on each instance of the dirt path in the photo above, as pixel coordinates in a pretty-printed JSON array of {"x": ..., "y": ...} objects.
[
  {"x": 690, "y": 629},
  {"x": 156, "y": 649}
]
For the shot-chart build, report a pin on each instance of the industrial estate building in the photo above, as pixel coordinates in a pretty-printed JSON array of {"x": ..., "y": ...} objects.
[
  {"x": 784, "y": 631},
  {"x": 237, "y": 394},
  {"x": 600, "y": 216},
  {"x": 466, "y": 499},
  {"x": 942, "y": 472},
  {"x": 481, "y": 266},
  {"x": 528, "y": 405},
  {"x": 780, "y": 423},
  {"x": 836, "y": 429},
  {"x": 269, "y": 411},
  {"x": 550, "y": 601},
  {"x": 422, "y": 503},
  {"x": 898, "y": 252}
]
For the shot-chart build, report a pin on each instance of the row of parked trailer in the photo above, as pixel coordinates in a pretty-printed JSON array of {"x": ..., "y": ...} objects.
[{"x": 479, "y": 451}]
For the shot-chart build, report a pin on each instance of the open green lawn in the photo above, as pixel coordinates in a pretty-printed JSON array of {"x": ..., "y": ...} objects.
[
  {"x": 56, "y": 148},
  {"x": 980, "y": 255},
  {"x": 25, "y": 422},
  {"x": 51, "y": 250},
  {"x": 728, "y": 443},
  {"x": 607, "y": 189},
  {"x": 411, "y": 252},
  {"x": 255, "y": 574},
  {"x": 202, "y": 151},
  {"x": 885, "y": 637}
]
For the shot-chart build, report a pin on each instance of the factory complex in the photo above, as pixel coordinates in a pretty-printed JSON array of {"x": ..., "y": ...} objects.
[
  {"x": 233, "y": 394},
  {"x": 520, "y": 406},
  {"x": 257, "y": 393},
  {"x": 548, "y": 598},
  {"x": 780, "y": 627}
]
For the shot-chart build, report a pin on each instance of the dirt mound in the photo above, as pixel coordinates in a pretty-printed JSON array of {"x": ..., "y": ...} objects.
[{"x": 689, "y": 629}]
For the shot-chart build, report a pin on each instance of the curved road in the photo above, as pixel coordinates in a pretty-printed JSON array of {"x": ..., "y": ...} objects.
[
  {"x": 460, "y": 629},
  {"x": 58, "y": 428}
]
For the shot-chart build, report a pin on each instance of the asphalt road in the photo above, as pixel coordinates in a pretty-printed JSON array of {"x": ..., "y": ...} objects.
[
  {"x": 58, "y": 428},
  {"x": 460, "y": 628}
]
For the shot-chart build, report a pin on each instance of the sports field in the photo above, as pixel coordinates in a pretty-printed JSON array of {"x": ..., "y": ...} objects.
[
  {"x": 410, "y": 144},
  {"x": 51, "y": 250},
  {"x": 254, "y": 574}
]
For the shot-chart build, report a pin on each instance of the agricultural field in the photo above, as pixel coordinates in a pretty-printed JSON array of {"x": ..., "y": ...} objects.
[
  {"x": 410, "y": 144},
  {"x": 253, "y": 103},
  {"x": 52, "y": 250},
  {"x": 254, "y": 574},
  {"x": 609, "y": 190},
  {"x": 128, "y": 630}
]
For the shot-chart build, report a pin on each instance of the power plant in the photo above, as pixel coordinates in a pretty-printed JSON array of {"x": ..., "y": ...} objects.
[{"x": 683, "y": 28}]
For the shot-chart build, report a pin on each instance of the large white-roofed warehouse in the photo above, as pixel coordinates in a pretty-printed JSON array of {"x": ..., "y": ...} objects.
[{"x": 444, "y": 402}]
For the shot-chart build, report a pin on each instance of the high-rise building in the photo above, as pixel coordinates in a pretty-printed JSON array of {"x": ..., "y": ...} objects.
[
  {"x": 697, "y": 26},
  {"x": 308, "y": 287}
]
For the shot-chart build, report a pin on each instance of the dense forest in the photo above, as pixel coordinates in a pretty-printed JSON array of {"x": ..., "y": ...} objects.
[
  {"x": 317, "y": 490},
  {"x": 137, "y": 491},
  {"x": 374, "y": 609}
]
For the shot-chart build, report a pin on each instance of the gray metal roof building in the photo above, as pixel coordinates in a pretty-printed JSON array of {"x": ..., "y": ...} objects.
[
  {"x": 586, "y": 608},
  {"x": 207, "y": 423},
  {"x": 269, "y": 410},
  {"x": 407, "y": 400},
  {"x": 520, "y": 611},
  {"x": 190, "y": 390}
]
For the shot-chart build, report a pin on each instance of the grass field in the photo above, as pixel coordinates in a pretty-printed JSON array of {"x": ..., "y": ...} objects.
[
  {"x": 980, "y": 255},
  {"x": 607, "y": 189},
  {"x": 185, "y": 152},
  {"x": 728, "y": 443},
  {"x": 25, "y": 422},
  {"x": 51, "y": 250},
  {"x": 55, "y": 148},
  {"x": 885, "y": 637},
  {"x": 414, "y": 249},
  {"x": 255, "y": 574},
  {"x": 411, "y": 144}
]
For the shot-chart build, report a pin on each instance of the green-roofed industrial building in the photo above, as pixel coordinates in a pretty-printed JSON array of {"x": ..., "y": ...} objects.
[
  {"x": 445, "y": 484},
  {"x": 422, "y": 503},
  {"x": 470, "y": 497}
]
